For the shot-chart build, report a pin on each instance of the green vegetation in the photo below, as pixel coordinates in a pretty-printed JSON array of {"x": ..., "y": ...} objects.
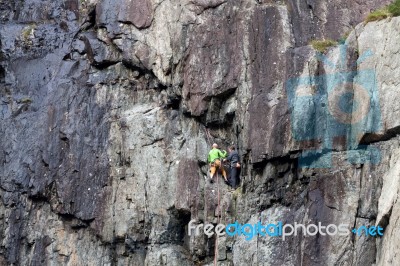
[
  {"x": 323, "y": 45},
  {"x": 237, "y": 192},
  {"x": 343, "y": 39},
  {"x": 392, "y": 10},
  {"x": 26, "y": 100},
  {"x": 378, "y": 15},
  {"x": 27, "y": 32}
]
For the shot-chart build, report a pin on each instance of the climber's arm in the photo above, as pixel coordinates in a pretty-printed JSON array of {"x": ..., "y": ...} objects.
[{"x": 222, "y": 154}]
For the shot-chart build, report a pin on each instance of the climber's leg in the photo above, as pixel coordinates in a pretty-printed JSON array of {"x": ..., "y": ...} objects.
[
  {"x": 213, "y": 169},
  {"x": 233, "y": 177},
  {"x": 221, "y": 167}
]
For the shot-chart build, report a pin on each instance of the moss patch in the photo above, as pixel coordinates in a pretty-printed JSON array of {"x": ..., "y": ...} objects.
[
  {"x": 237, "y": 192},
  {"x": 323, "y": 45},
  {"x": 378, "y": 15},
  {"x": 392, "y": 10},
  {"x": 27, "y": 32}
]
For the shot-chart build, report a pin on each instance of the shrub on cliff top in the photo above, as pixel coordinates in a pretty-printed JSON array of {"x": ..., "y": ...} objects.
[
  {"x": 392, "y": 10},
  {"x": 378, "y": 15}
]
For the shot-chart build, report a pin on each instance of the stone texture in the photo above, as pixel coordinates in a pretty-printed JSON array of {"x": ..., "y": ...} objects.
[
  {"x": 108, "y": 110},
  {"x": 386, "y": 68},
  {"x": 388, "y": 212},
  {"x": 322, "y": 19},
  {"x": 138, "y": 12}
]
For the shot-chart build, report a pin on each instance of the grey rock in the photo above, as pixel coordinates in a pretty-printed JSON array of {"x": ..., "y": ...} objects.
[{"x": 109, "y": 108}]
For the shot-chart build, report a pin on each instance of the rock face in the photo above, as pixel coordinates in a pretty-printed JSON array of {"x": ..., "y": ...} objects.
[{"x": 108, "y": 110}]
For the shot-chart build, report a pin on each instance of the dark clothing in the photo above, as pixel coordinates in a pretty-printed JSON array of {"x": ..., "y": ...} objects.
[
  {"x": 234, "y": 179},
  {"x": 233, "y": 158},
  {"x": 234, "y": 172}
]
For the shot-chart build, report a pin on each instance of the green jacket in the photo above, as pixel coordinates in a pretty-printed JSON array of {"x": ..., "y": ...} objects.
[{"x": 216, "y": 154}]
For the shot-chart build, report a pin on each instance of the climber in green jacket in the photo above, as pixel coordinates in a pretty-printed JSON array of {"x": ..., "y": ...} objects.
[{"x": 214, "y": 160}]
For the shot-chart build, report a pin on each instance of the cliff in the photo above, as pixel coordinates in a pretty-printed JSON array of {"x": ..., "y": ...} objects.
[{"x": 109, "y": 107}]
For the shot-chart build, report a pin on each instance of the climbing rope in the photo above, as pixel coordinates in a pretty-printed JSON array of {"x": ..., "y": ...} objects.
[
  {"x": 218, "y": 221},
  {"x": 208, "y": 135}
]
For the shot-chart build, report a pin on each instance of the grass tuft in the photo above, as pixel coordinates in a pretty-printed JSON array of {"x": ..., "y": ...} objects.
[
  {"x": 378, "y": 15},
  {"x": 392, "y": 10},
  {"x": 323, "y": 45}
]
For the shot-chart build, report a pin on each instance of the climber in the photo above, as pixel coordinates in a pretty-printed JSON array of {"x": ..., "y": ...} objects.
[
  {"x": 214, "y": 160},
  {"x": 234, "y": 166}
]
